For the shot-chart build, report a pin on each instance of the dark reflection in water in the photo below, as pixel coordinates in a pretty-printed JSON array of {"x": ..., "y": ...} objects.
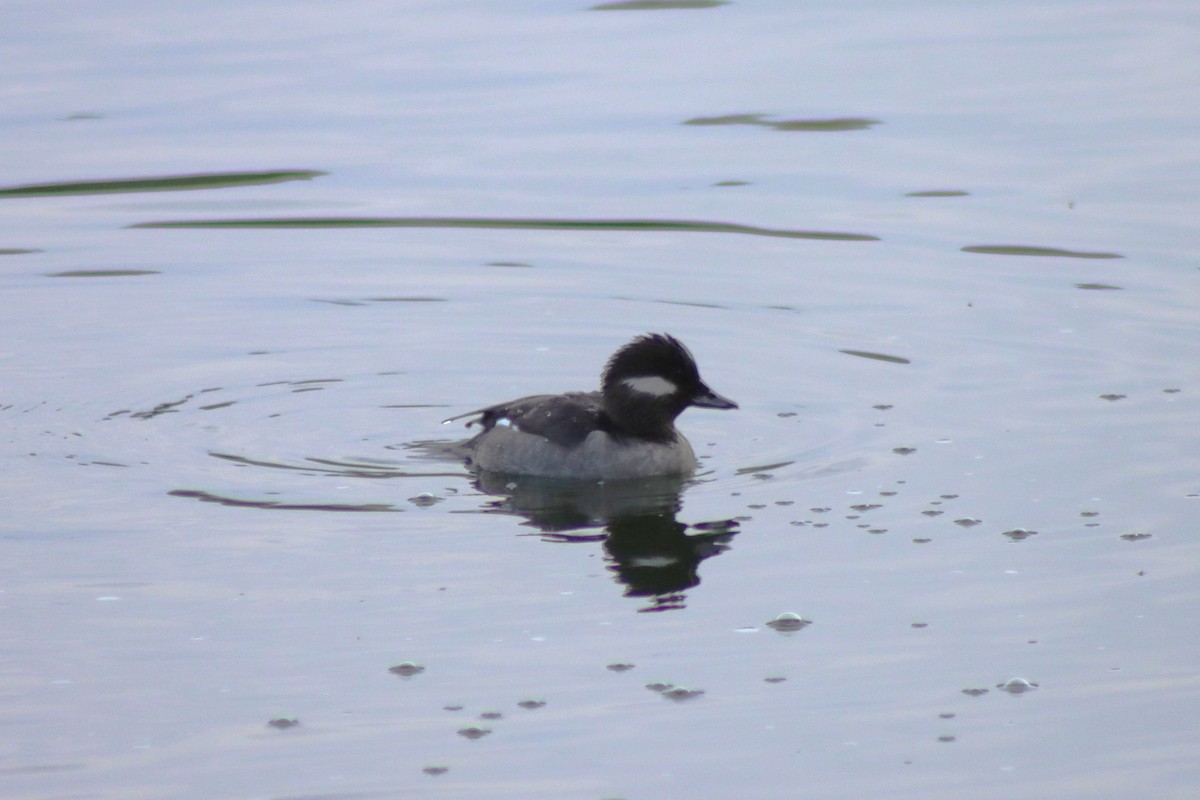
[
  {"x": 830, "y": 125},
  {"x": 648, "y": 550},
  {"x": 877, "y": 356},
  {"x": 658, "y": 5},
  {"x": 159, "y": 183},
  {"x": 514, "y": 223},
  {"x": 276, "y": 505},
  {"x": 101, "y": 273},
  {"x": 1029, "y": 250}
]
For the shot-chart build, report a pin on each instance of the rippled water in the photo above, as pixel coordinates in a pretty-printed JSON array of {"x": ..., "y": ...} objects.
[{"x": 942, "y": 256}]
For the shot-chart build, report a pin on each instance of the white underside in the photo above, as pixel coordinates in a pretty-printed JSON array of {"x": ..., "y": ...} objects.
[{"x": 599, "y": 457}]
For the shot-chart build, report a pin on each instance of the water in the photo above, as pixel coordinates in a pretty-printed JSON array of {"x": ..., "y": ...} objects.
[{"x": 965, "y": 453}]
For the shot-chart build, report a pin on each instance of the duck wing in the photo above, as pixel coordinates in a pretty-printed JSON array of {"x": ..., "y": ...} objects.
[{"x": 565, "y": 419}]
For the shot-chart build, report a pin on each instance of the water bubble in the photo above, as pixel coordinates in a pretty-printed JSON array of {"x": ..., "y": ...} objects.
[
  {"x": 967, "y": 522},
  {"x": 531, "y": 703},
  {"x": 283, "y": 723},
  {"x": 1017, "y": 534},
  {"x": 788, "y": 622},
  {"x": 1016, "y": 686},
  {"x": 1135, "y": 537},
  {"x": 491, "y": 715},
  {"x": 620, "y": 667},
  {"x": 425, "y": 499},
  {"x": 435, "y": 769},
  {"x": 975, "y": 692},
  {"x": 681, "y": 693}
]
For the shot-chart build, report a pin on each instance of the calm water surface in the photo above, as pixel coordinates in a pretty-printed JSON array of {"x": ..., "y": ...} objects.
[{"x": 944, "y": 258}]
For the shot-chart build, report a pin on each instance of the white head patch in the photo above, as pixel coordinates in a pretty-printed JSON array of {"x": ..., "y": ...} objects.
[{"x": 655, "y": 385}]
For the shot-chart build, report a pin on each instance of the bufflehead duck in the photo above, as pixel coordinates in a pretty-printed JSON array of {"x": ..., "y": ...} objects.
[{"x": 625, "y": 430}]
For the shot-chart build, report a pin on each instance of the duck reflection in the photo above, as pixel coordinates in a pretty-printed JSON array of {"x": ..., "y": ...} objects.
[{"x": 647, "y": 549}]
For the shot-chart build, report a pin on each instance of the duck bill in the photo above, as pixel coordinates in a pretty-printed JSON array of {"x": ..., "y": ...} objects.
[{"x": 710, "y": 399}]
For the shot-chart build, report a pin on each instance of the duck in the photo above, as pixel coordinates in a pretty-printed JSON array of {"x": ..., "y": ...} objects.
[{"x": 626, "y": 430}]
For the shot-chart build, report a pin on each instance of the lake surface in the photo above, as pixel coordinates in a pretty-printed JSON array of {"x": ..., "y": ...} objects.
[{"x": 944, "y": 256}]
